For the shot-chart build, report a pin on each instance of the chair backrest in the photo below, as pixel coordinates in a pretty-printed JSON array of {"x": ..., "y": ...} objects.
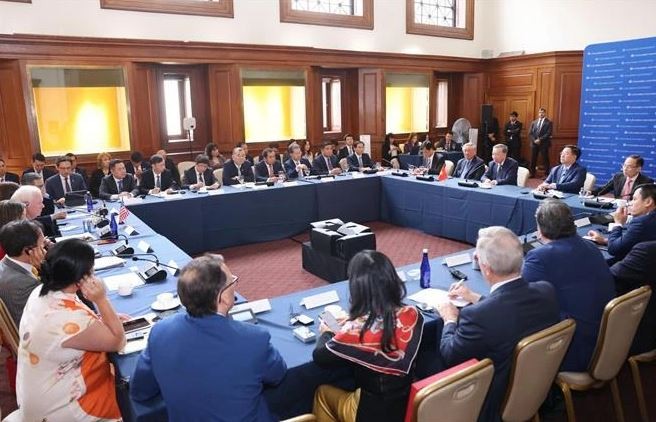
[
  {"x": 535, "y": 365},
  {"x": 402, "y": 148},
  {"x": 522, "y": 176},
  {"x": 185, "y": 165},
  {"x": 218, "y": 175},
  {"x": 8, "y": 329},
  {"x": 458, "y": 397},
  {"x": 590, "y": 180},
  {"x": 343, "y": 163},
  {"x": 618, "y": 326},
  {"x": 256, "y": 160},
  {"x": 449, "y": 167}
]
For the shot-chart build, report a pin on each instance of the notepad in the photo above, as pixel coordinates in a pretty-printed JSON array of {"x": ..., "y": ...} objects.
[
  {"x": 435, "y": 297},
  {"x": 83, "y": 236},
  {"x": 107, "y": 262},
  {"x": 582, "y": 222},
  {"x": 320, "y": 299},
  {"x": 454, "y": 261},
  {"x": 113, "y": 282}
]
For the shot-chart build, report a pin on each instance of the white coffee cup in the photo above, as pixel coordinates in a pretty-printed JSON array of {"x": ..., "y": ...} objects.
[
  {"x": 414, "y": 273},
  {"x": 125, "y": 288},
  {"x": 165, "y": 299}
]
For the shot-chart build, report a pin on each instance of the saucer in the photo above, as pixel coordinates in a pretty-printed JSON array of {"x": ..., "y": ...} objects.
[{"x": 161, "y": 307}]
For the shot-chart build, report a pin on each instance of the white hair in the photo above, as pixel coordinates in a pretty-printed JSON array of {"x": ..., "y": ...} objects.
[
  {"x": 27, "y": 194},
  {"x": 500, "y": 249},
  {"x": 469, "y": 145}
]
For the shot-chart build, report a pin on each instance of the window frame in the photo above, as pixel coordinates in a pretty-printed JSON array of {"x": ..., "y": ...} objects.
[
  {"x": 327, "y": 105},
  {"x": 466, "y": 33},
  {"x": 366, "y": 21},
  {"x": 220, "y": 8},
  {"x": 182, "y": 104}
]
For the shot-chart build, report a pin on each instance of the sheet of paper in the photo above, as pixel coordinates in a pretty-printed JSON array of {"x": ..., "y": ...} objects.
[
  {"x": 258, "y": 306},
  {"x": 83, "y": 236},
  {"x": 107, "y": 262},
  {"x": 582, "y": 222},
  {"x": 320, "y": 299},
  {"x": 213, "y": 192},
  {"x": 454, "y": 261},
  {"x": 291, "y": 183},
  {"x": 132, "y": 201},
  {"x": 67, "y": 228},
  {"x": 402, "y": 275},
  {"x": 112, "y": 282},
  {"x": 434, "y": 297},
  {"x": 175, "y": 266}
]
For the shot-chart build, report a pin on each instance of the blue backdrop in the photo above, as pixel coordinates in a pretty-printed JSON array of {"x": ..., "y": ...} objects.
[{"x": 618, "y": 106}]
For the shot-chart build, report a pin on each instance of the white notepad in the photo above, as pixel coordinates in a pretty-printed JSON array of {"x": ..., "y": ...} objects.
[
  {"x": 112, "y": 282},
  {"x": 455, "y": 260},
  {"x": 107, "y": 262}
]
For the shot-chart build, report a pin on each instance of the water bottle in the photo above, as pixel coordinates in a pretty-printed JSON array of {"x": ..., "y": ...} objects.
[
  {"x": 425, "y": 272},
  {"x": 89, "y": 201},
  {"x": 113, "y": 226}
]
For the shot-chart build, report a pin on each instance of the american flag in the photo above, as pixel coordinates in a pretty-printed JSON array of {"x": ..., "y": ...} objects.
[{"x": 123, "y": 214}]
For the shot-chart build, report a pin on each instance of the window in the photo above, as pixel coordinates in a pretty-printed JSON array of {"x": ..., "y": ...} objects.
[
  {"x": 331, "y": 93},
  {"x": 347, "y": 13},
  {"x": 441, "y": 18},
  {"x": 406, "y": 103},
  {"x": 80, "y": 110},
  {"x": 222, "y": 8},
  {"x": 177, "y": 106},
  {"x": 274, "y": 105},
  {"x": 442, "y": 108}
]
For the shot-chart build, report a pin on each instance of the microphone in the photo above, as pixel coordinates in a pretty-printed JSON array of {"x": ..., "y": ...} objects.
[{"x": 138, "y": 257}]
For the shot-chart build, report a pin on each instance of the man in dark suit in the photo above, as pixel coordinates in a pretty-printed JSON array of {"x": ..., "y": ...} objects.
[
  {"x": 170, "y": 166},
  {"x": 471, "y": 166},
  {"x": 502, "y": 170},
  {"x": 156, "y": 179},
  {"x": 59, "y": 185},
  {"x": 244, "y": 146},
  {"x": 118, "y": 184},
  {"x": 39, "y": 166},
  {"x": 569, "y": 176},
  {"x": 540, "y": 136},
  {"x": 637, "y": 269},
  {"x": 448, "y": 144},
  {"x": 33, "y": 179},
  {"x": 24, "y": 246},
  {"x": 32, "y": 197},
  {"x": 348, "y": 149},
  {"x": 513, "y": 132},
  {"x": 77, "y": 170},
  {"x": 200, "y": 175},
  {"x": 268, "y": 169},
  {"x": 296, "y": 166},
  {"x": 624, "y": 183},
  {"x": 326, "y": 162},
  {"x": 641, "y": 228},
  {"x": 431, "y": 161},
  {"x": 579, "y": 273},
  {"x": 136, "y": 165},
  {"x": 492, "y": 326},
  {"x": 237, "y": 168},
  {"x": 360, "y": 160},
  {"x": 6, "y": 176},
  {"x": 195, "y": 388}
]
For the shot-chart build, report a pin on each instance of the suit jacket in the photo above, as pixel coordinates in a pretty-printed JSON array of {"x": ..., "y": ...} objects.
[
  {"x": 12, "y": 177},
  {"x": 574, "y": 178},
  {"x": 640, "y": 229},
  {"x": 584, "y": 285},
  {"x": 436, "y": 163},
  {"x": 616, "y": 184},
  {"x": 95, "y": 181},
  {"x": 319, "y": 164},
  {"x": 454, "y": 146},
  {"x": 412, "y": 150},
  {"x": 344, "y": 152},
  {"x": 262, "y": 172},
  {"x": 544, "y": 134},
  {"x": 48, "y": 206},
  {"x": 230, "y": 172},
  {"x": 475, "y": 170},
  {"x": 50, "y": 227},
  {"x": 175, "y": 173},
  {"x": 290, "y": 168},
  {"x": 192, "y": 385},
  {"x": 148, "y": 181},
  {"x": 47, "y": 172},
  {"x": 82, "y": 172},
  {"x": 354, "y": 165},
  {"x": 56, "y": 190},
  {"x": 109, "y": 187},
  {"x": 16, "y": 284},
  {"x": 492, "y": 328},
  {"x": 638, "y": 268},
  {"x": 513, "y": 132},
  {"x": 129, "y": 167},
  {"x": 191, "y": 178},
  {"x": 506, "y": 176}
]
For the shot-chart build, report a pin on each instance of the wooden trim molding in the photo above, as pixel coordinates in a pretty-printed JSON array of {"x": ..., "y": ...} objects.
[
  {"x": 219, "y": 8},
  {"x": 466, "y": 33},
  {"x": 366, "y": 21}
]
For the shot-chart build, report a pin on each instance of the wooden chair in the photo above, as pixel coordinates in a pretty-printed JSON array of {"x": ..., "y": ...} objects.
[{"x": 647, "y": 357}]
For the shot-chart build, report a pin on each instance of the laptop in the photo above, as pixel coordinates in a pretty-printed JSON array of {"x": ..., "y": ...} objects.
[{"x": 75, "y": 198}]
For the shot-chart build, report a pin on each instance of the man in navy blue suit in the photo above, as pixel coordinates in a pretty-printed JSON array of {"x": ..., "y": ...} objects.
[
  {"x": 200, "y": 175},
  {"x": 6, "y": 176},
  {"x": 296, "y": 166},
  {"x": 578, "y": 271},
  {"x": 569, "y": 176},
  {"x": 471, "y": 166},
  {"x": 492, "y": 326},
  {"x": 237, "y": 168},
  {"x": 641, "y": 228},
  {"x": 39, "y": 167},
  {"x": 348, "y": 149},
  {"x": 360, "y": 160},
  {"x": 268, "y": 169},
  {"x": 326, "y": 162},
  {"x": 65, "y": 181},
  {"x": 205, "y": 365},
  {"x": 502, "y": 170},
  {"x": 431, "y": 161}
]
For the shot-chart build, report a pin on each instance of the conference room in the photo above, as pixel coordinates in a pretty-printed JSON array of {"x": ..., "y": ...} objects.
[{"x": 327, "y": 210}]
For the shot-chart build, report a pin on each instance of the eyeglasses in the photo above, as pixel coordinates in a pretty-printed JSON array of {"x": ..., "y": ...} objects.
[{"x": 227, "y": 286}]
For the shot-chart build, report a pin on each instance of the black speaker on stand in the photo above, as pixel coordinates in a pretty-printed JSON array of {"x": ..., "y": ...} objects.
[{"x": 486, "y": 123}]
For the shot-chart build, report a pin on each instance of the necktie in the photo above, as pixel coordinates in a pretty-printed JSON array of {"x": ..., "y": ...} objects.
[
  {"x": 200, "y": 178},
  {"x": 539, "y": 125},
  {"x": 328, "y": 163},
  {"x": 350, "y": 150},
  {"x": 360, "y": 161},
  {"x": 35, "y": 273},
  {"x": 465, "y": 169},
  {"x": 563, "y": 175},
  {"x": 626, "y": 192},
  {"x": 270, "y": 170},
  {"x": 68, "y": 185},
  {"x": 158, "y": 183},
  {"x": 120, "y": 186},
  {"x": 498, "y": 171},
  {"x": 238, "y": 171}
]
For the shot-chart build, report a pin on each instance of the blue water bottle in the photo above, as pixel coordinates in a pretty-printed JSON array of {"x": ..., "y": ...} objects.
[
  {"x": 89, "y": 201},
  {"x": 424, "y": 280},
  {"x": 113, "y": 226}
]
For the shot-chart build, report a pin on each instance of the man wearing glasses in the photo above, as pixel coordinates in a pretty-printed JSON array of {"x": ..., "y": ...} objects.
[{"x": 624, "y": 183}]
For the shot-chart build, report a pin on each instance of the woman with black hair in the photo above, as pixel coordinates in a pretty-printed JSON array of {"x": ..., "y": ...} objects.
[
  {"x": 63, "y": 370},
  {"x": 216, "y": 158},
  {"x": 390, "y": 151},
  {"x": 380, "y": 339}
]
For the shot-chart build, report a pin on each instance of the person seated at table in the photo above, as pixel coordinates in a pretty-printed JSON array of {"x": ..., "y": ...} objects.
[
  {"x": 33, "y": 179},
  {"x": 641, "y": 227},
  {"x": 101, "y": 171},
  {"x": 237, "y": 169},
  {"x": 268, "y": 169},
  {"x": 215, "y": 157},
  {"x": 248, "y": 157},
  {"x": 492, "y": 326},
  {"x": 39, "y": 166},
  {"x": 136, "y": 165},
  {"x": 579, "y": 273},
  {"x": 448, "y": 144},
  {"x": 569, "y": 176},
  {"x": 296, "y": 166},
  {"x": 6, "y": 176},
  {"x": 471, "y": 166},
  {"x": 64, "y": 373},
  {"x": 625, "y": 182},
  {"x": 306, "y": 150},
  {"x": 326, "y": 162},
  {"x": 32, "y": 198},
  {"x": 219, "y": 370},
  {"x": 348, "y": 149},
  {"x": 24, "y": 245},
  {"x": 200, "y": 175},
  {"x": 431, "y": 161},
  {"x": 10, "y": 211},
  {"x": 170, "y": 166},
  {"x": 64, "y": 182},
  {"x": 76, "y": 169},
  {"x": 119, "y": 184},
  {"x": 360, "y": 160},
  {"x": 411, "y": 146},
  {"x": 637, "y": 269},
  {"x": 391, "y": 152},
  {"x": 157, "y": 178},
  {"x": 7, "y": 189},
  {"x": 379, "y": 340},
  {"x": 502, "y": 170}
]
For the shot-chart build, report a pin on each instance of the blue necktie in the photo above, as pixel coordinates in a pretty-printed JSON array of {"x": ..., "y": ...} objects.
[
  {"x": 120, "y": 186},
  {"x": 562, "y": 175}
]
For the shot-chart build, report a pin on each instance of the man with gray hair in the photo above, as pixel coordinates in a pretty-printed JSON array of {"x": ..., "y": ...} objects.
[
  {"x": 471, "y": 166},
  {"x": 32, "y": 197},
  {"x": 502, "y": 170},
  {"x": 493, "y": 325}
]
